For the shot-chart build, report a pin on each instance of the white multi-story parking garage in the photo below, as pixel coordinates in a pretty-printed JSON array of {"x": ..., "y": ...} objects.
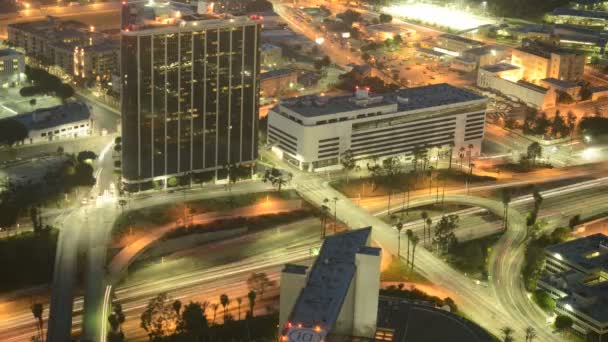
[{"x": 312, "y": 132}]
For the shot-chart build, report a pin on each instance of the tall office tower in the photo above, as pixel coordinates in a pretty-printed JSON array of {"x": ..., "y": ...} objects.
[{"x": 189, "y": 93}]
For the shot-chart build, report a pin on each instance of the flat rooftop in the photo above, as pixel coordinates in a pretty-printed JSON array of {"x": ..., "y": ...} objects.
[
  {"x": 166, "y": 16},
  {"x": 500, "y": 67},
  {"x": 484, "y": 50},
  {"x": 276, "y": 73},
  {"x": 589, "y": 297},
  {"x": 599, "y": 89},
  {"x": 404, "y": 99},
  {"x": 532, "y": 86},
  {"x": 571, "y": 12},
  {"x": 44, "y": 118},
  {"x": 321, "y": 299},
  {"x": 461, "y": 39},
  {"x": 385, "y": 28},
  {"x": 545, "y": 50},
  {"x": 564, "y": 84},
  {"x": 8, "y": 52},
  {"x": 589, "y": 252},
  {"x": 591, "y": 300}
]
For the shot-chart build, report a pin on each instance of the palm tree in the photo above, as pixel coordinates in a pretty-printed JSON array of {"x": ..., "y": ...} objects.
[
  {"x": 530, "y": 334},
  {"x": 224, "y": 300},
  {"x": 399, "y": 227},
  {"x": 408, "y": 233},
  {"x": 214, "y": 307},
  {"x": 507, "y": 334},
  {"x": 177, "y": 306},
  {"x": 324, "y": 216},
  {"x": 461, "y": 155},
  {"x": 335, "y": 199},
  {"x": 37, "y": 311},
  {"x": 430, "y": 173},
  {"x": 470, "y": 153},
  {"x": 415, "y": 239},
  {"x": 424, "y": 216},
  {"x": 506, "y": 199},
  {"x": 451, "y": 145},
  {"x": 239, "y": 300},
  {"x": 122, "y": 204},
  {"x": 251, "y": 296},
  {"x": 429, "y": 222}
]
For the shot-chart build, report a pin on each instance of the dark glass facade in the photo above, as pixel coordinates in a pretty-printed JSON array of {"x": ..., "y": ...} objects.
[{"x": 190, "y": 99}]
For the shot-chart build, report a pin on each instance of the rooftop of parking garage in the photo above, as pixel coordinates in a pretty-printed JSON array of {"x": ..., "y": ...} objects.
[{"x": 402, "y": 100}]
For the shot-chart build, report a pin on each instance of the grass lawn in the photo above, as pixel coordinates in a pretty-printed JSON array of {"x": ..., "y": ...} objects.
[
  {"x": 135, "y": 221},
  {"x": 416, "y": 213},
  {"x": 397, "y": 270},
  {"x": 365, "y": 186},
  {"x": 471, "y": 257}
]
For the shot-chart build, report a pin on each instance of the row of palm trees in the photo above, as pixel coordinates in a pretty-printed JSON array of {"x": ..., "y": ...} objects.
[
  {"x": 412, "y": 239},
  {"x": 507, "y": 334},
  {"x": 225, "y": 301}
]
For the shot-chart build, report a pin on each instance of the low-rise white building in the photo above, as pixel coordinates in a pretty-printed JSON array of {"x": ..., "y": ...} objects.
[
  {"x": 506, "y": 79},
  {"x": 71, "y": 120},
  {"x": 312, "y": 132},
  {"x": 577, "y": 278}
]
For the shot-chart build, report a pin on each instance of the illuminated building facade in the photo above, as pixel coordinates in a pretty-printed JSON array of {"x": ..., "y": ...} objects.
[
  {"x": 189, "y": 93},
  {"x": 540, "y": 61},
  {"x": 454, "y": 45},
  {"x": 96, "y": 62},
  {"x": 12, "y": 66},
  {"x": 506, "y": 79},
  {"x": 312, "y": 132},
  {"x": 69, "y": 48}
]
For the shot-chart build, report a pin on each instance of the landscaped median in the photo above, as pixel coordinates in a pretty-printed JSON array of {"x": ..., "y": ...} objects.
[{"x": 185, "y": 225}]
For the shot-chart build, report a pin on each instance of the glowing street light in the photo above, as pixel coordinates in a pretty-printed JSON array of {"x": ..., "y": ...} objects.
[{"x": 319, "y": 40}]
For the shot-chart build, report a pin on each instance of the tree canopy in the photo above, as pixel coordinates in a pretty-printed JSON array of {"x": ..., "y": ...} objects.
[
  {"x": 524, "y": 8},
  {"x": 385, "y": 18},
  {"x": 594, "y": 126},
  {"x": 259, "y": 6},
  {"x": 12, "y": 131}
]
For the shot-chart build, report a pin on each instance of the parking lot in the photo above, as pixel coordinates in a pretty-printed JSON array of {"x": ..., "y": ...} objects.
[{"x": 11, "y": 103}]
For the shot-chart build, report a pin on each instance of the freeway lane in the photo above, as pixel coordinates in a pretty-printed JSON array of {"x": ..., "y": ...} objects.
[
  {"x": 259, "y": 251},
  {"x": 480, "y": 303}
]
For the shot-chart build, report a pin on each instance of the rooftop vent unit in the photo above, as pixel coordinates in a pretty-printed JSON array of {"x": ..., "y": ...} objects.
[
  {"x": 364, "y": 102},
  {"x": 361, "y": 93},
  {"x": 403, "y": 100}
]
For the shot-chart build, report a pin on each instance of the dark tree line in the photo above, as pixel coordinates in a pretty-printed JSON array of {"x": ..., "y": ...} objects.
[
  {"x": 524, "y": 8},
  {"x": 45, "y": 84},
  {"x": 12, "y": 132}
]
